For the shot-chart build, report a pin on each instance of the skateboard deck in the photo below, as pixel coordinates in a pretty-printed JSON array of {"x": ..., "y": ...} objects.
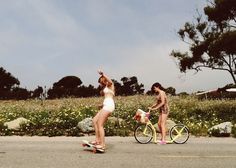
[
  {"x": 94, "y": 149},
  {"x": 87, "y": 144},
  {"x": 97, "y": 150}
]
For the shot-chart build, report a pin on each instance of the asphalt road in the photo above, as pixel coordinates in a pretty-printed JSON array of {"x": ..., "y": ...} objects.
[{"x": 122, "y": 152}]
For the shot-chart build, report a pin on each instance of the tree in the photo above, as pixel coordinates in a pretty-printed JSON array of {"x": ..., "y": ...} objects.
[
  {"x": 7, "y": 81},
  {"x": 171, "y": 91},
  {"x": 20, "y": 94},
  {"x": 131, "y": 86},
  {"x": 118, "y": 87},
  {"x": 9, "y": 86},
  {"x": 183, "y": 94},
  {"x": 70, "y": 86},
  {"x": 37, "y": 93},
  {"x": 212, "y": 42},
  {"x": 84, "y": 91},
  {"x": 68, "y": 82},
  {"x": 65, "y": 87}
]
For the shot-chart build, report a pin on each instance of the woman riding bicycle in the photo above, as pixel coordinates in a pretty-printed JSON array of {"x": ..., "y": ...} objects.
[{"x": 162, "y": 104}]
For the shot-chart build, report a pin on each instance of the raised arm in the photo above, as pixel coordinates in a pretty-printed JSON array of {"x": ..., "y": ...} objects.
[{"x": 106, "y": 77}]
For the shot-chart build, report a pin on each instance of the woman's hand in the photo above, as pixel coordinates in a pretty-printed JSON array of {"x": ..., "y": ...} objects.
[
  {"x": 149, "y": 108},
  {"x": 100, "y": 72},
  {"x": 148, "y": 114}
]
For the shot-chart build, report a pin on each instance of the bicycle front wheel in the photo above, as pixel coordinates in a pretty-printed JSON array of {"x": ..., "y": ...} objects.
[
  {"x": 143, "y": 134},
  {"x": 179, "y": 134}
]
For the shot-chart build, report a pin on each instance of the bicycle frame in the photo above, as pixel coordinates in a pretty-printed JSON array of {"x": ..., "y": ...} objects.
[
  {"x": 153, "y": 129},
  {"x": 179, "y": 133}
]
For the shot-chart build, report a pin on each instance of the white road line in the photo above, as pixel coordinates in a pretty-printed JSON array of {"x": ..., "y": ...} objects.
[{"x": 196, "y": 156}]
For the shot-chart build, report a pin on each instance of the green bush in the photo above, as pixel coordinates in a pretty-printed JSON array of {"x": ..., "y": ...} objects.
[
  {"x": 234, "y": 131},
  {"x": 216, "y": 133}
]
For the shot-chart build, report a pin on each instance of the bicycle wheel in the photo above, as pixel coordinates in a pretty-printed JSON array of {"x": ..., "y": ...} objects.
[
  {"x": 143, "y": 134},
  {"x": 179, "y": 134}
]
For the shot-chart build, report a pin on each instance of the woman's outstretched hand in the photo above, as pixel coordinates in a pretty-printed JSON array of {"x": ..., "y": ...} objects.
[{"x": 100, "y": 72}]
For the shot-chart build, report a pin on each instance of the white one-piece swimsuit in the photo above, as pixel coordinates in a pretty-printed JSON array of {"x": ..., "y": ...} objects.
[{"x": 108, "y": 103}]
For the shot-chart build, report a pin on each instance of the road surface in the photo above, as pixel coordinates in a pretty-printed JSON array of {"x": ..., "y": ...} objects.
[{"x": 122, "y": 152}]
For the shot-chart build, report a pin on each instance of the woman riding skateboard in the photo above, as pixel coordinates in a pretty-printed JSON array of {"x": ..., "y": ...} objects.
[{"x": 108, "y": 90}]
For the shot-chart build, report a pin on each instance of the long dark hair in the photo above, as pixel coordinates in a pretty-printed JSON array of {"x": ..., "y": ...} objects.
[{"x": 158, "y": 85}]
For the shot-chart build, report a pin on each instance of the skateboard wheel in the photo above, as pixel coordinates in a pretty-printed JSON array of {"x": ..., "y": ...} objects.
[{"x": 94, "y": 151}]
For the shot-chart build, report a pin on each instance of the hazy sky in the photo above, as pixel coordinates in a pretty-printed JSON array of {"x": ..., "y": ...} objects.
[{"x": 42, "y": 41}]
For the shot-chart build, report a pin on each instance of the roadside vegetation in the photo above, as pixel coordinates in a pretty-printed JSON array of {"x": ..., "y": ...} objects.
[{"x": 61, "y": 116}]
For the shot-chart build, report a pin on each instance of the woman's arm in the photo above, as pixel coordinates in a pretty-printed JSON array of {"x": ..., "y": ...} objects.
[
  {"x": 158, "y": 105},
  {"x": 154, "y": 105}
]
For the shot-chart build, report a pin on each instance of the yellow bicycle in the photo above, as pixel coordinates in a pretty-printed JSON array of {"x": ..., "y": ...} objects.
[{"x": 145, "y": 132}]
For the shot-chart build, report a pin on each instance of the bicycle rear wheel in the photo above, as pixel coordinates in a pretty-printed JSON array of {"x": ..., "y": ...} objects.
[
  {"x": 143, "y": 134},
  {"x": 179, "y": 134}
]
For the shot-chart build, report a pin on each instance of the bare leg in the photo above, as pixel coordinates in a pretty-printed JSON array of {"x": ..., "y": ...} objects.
[
  {"x": 163, "y": 126},
  {"x": 95, "y": 124},
  {"x": 103, "y": 116},
  {"x": 159, "y": 124}
]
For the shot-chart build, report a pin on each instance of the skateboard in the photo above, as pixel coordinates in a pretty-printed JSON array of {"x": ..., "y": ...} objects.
[
  {"x": 97, "y": 150},
  {"x": 87, "y": 144}
]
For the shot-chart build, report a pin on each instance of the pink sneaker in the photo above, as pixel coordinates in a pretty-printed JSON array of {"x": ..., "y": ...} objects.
[{"x": 162, "y": 142}]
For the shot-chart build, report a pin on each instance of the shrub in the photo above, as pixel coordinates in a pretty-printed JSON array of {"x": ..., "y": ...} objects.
[
  {"x": 60, "y": 117},
  {"x": 216, "y": 133},
  {"x": 234, "y": 131}
]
